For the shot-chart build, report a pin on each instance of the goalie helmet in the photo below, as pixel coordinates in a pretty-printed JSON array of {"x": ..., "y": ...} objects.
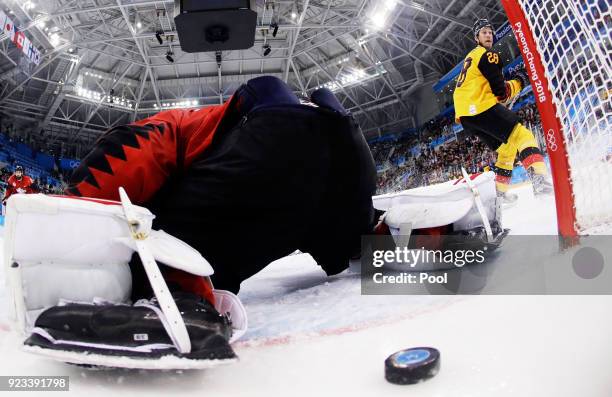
[{"x": 480, "y": 24}]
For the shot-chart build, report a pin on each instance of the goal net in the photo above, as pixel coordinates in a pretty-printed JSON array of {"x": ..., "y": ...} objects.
[{"x": 567, "y": 49}]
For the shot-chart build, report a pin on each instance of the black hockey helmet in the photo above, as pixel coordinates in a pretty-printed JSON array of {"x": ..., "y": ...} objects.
[
  {"x": 479, "y": 24},
  {"x": 19, "y": 168}
]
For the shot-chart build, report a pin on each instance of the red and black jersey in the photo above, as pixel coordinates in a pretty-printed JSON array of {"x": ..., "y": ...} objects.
[
  {"x": 19, "y": 185},
  {"x": 140, "y": 157},
  {"x": 247, "y": 182}
]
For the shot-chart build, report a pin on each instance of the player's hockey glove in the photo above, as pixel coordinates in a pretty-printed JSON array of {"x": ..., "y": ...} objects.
[{"x": 522, "y": 77}]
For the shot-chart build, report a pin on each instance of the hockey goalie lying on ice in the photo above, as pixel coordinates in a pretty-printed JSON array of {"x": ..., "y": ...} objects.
[{"x": 238, "y": 186}]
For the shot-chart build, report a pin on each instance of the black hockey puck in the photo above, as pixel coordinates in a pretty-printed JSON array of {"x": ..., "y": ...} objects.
[{"x": 411, "y": 366}]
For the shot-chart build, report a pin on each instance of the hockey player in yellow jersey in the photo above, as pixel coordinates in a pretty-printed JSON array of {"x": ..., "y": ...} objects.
[{"x": 479, "y": 94}]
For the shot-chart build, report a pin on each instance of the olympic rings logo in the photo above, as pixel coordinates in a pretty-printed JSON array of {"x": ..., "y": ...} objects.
[{"x": 551, "y": 140}]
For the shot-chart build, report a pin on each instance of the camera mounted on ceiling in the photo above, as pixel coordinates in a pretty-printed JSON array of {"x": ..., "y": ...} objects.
[{"x": 215, "y": 25}]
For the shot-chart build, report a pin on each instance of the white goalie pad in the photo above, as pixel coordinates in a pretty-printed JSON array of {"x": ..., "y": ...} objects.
[
  {"x": 442, "y": 204},
  {"x": 60, "y": 248},
  {"x": 64, "y": 248}
]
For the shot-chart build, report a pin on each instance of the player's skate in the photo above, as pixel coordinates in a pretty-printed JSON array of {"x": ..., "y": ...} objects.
[
  {"x": 508, "y": 199},
  {"x": 540, "y": 183},
  {"x": 70, "y": 291}
]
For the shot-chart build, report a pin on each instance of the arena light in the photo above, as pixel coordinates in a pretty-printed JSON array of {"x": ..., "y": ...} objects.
[
  {"x": 390, "y": 4},
  {"x": 356, "y": 76},
  {"x": 343, "y": 60},
  {"x": 293, "y": 11},
  {"x": 185, "y": 103},
  {"x": 110, "y": 99},
  {"x": 54, "y": 39},
  {"x": 138, "y": 22},
  {"x": 379, "y": 19},
  {"x": 381, "y": 13}
]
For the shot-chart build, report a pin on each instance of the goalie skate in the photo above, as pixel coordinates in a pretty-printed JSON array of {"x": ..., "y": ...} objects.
[{"x": 123, "y": 336}]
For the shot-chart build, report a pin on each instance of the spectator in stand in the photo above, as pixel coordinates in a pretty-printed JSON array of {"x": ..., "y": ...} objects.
[{"x": 440, "y": 164}]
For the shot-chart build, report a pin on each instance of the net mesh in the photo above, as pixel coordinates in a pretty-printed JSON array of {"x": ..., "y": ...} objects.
[{"x": 575, "y": 45}]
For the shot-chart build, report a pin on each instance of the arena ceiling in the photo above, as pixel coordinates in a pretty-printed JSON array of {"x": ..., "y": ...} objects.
[{"x": 373, "y": 53}]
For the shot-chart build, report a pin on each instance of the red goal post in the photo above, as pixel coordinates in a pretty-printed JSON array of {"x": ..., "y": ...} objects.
[{"x": 555, "y": 38}]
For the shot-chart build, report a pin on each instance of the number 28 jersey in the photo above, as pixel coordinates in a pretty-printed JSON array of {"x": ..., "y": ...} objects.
[{"x": 480, "y": 83}]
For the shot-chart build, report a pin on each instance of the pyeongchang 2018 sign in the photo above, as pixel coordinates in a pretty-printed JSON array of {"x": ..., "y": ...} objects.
[
  {"x": 537, "y": 84},
  {"x": 19, "y": 39}
]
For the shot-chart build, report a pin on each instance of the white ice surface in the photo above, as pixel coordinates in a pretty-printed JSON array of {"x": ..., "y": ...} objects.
[{"x": 312, "y": 335}]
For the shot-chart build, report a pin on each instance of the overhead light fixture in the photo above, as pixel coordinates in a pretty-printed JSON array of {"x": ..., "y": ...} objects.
[
  {"x": 137, "y": 21},
  {"x": 267, "y": 50},
  {"x": 54, "y": 39},
  {"x": 274, "y": 27},
  {"x": 294, "y": 11},
  {"x": 71, "y": 50},
  {"x": 381, "y": 13},
  {"x": 379, "y": 19},
  {"x": 390, "y": 4},
  {"x": 169, "y": 57},
  {"x": 158, "y": 36}
]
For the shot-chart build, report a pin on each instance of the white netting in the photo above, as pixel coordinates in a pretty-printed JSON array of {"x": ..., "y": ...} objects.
[{"x": 575, "y": 45}]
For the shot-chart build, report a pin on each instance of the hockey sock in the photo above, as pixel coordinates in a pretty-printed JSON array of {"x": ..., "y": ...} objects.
[
  {"x": 531, "y": 157},
  {"x": 502, "y": 179},
  {"x": 525, "y": 143},
  {"x": 504, "y": 166}
]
